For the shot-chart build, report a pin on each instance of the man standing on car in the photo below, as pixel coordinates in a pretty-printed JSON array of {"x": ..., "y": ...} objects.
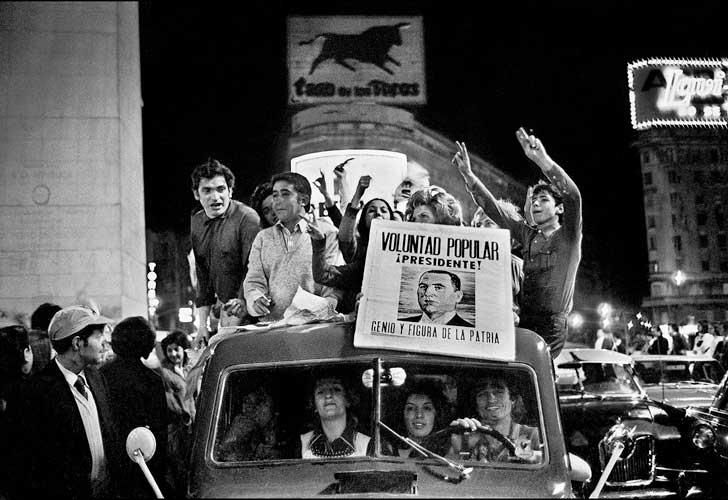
[
  {"x": 551, "y": 248},
  {"x": 221, "y": 233}
]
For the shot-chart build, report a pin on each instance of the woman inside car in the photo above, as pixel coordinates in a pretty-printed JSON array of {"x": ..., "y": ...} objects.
[
  {"x": 498, "y": 407},
  {"x": 335, "y": 431}
]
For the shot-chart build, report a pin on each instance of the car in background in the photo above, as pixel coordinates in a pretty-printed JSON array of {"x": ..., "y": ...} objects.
[
  {"x": 600, "y": 397},
  {"x": 708, "y": 438},
  {"x": 679, "y": 380},
  {"x": 286, "y": 362}
]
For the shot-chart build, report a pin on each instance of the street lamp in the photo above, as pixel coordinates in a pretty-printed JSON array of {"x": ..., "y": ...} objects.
[{"x": 679, "y": 277}]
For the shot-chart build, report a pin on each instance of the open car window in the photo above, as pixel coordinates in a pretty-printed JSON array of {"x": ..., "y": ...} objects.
[
  {"x": 596, "y": 378},
  {"x": 271, "y": 413}
]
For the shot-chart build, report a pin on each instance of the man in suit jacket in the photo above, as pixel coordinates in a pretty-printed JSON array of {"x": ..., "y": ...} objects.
[
  {"x": 72, "y": 449},
  {"x": 438, "y": 294}
]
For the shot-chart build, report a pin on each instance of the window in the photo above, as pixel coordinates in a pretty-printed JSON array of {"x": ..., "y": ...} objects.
[
  {"x": 674, "y": 197},
  {"x": 673, "y": 220},
  {"x": 673, "y": 177},
  {"x": 677, "y": 243},
  {"x": 698, "y": 177},
  {"x": 650, "y": 221},
  {"x": 647, "y": 176},
  {"x": 721, "y": 241},
  {"x": 719, "y": 218},
  {"x": 714, "y": 157},
  {"x": 653, "y": 246},
  {"x": 649, "y": 201},
  {"x": 654, "y": 266},
  {"x": 287, "y": 395},
  {"x": 699, "y": 199},
  {"x": 657, "y": 289},
  {"x": 705, "y": 265},
  {"x": 715, "y": 177},
  {"x": 724, "y": 266},
  {"x": 703, "y": 240},
  {"x": 702, "y": 218},
  {"x": 645, "y": 157}
]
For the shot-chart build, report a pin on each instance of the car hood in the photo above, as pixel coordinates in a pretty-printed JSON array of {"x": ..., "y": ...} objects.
[{"x": 682, "y": 395}]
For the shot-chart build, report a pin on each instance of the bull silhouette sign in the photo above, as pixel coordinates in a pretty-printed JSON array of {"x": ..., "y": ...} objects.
[
  {"x": 370, "y": 46},
  {"x": 344, "y": 59}
]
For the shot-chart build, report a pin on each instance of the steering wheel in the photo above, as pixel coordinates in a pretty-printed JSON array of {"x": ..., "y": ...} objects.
[{"x": 484, "y": 429}]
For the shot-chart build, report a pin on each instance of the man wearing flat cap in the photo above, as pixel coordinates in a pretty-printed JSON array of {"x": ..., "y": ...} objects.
[{"x": 72, "y": 449}]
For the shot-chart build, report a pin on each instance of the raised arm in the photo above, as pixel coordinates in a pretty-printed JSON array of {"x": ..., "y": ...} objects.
[
  {"x": 347, "y": 230},
  {"x": 481, "y": 195},
  {"x": 536, "y": 152}
]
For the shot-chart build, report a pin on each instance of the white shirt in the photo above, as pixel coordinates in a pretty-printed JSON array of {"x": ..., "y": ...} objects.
[
  {"x": 288, "y": 236},
  {"x": 90, "y": 418}
]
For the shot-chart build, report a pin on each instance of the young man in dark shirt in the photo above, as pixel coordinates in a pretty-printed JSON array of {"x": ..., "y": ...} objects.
[
  {"x": 551, "y": 249},
  {"x": 221, "y": 233}
]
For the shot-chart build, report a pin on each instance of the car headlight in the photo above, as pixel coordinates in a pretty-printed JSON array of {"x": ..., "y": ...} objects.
[{"x": 703, "y": 437}]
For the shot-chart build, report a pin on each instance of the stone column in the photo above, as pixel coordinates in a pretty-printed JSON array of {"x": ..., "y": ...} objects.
[{"x": 71, "y": 174}]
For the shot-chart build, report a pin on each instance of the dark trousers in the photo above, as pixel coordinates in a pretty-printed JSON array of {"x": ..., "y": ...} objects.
[{"x": 552, "y": 327}]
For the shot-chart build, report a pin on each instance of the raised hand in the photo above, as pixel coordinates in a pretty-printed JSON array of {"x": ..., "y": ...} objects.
[
  {"x": 362, "y": 186},
  {"x": 533, "y": 147},
  {"x": 313, "y": 229},
  {"x": 461, "y": 159}
]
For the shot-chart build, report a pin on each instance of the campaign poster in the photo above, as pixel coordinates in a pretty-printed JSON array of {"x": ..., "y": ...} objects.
[{"x": 437, "y": 289}]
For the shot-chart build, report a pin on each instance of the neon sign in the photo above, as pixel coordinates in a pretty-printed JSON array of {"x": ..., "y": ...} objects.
[{"x": 678, "y": 92}]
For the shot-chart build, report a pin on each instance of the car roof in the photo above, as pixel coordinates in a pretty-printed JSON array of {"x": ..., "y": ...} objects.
[
  {"x": 592, "y": 356},
  {"x": 671, "y": 357},
  {"x": 330, "y": 341}
]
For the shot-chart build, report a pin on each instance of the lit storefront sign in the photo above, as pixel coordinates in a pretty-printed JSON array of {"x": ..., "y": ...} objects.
[{"x": 678, "y": 92}]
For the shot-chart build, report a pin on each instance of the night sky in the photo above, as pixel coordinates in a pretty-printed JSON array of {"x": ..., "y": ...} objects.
[{"x": 214, "y": 82}]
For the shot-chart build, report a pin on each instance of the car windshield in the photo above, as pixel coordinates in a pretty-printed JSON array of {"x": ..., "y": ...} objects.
[
  {"x": 330, "y": 411},
  {"x": 675, "y": 371},
  {"x": 596, "y": 378}
]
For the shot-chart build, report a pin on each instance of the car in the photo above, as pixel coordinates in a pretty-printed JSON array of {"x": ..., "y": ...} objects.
[
  {"x": 600, "y": 398},
  {"x": 708, "y": 438},
  {"x": 679, "y": 380},
  {"x": 288, "y": 361}
]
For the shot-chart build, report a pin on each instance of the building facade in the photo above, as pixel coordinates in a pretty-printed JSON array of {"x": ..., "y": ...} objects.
[{"x": 685, "y": 182}]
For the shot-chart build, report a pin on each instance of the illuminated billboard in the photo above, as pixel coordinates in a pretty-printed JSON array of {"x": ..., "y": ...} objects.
[
  {"x": 678, "y": 92},
  {"x": 344, "y": 59}
]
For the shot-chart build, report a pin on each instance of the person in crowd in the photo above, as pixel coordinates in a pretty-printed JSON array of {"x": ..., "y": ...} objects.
[
  {"x": 422, "y": 414},
  {"x": 262, "y": 202},
  {"x": 705, "y": 338},
  {"x": 481, "y": 220},
  {"x": 71, "y": 446},
  {"x": 551, "y": 250},
  {"x": 353, "y": 236},
  {"x": 606, "y": 340},
  {"x": 438, "y": 294},
  {"x": 253, "y": 432},
  {"x": 498, "y": 405},
  {"x": 660, "y": 344},
  {"x": 680, "y": 342},
  {"x": 335, "y": 431},
  {"x": 434, "y": 205},
  {"x": 16, "y": 362},
  {"x": 137, "y": 399},
  {"x": 221, "y": 234},
  {"x": 280, "y": 257},
  {"x": 180, "y": 405},
  {"x": 39, "y": 341}
]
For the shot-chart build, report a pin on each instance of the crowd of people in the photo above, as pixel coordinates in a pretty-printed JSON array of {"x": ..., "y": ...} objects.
[{"x": 71, "y": 391}]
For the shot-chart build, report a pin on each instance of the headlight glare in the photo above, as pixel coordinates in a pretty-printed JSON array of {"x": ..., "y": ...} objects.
[{"x": 703, "y": 437}]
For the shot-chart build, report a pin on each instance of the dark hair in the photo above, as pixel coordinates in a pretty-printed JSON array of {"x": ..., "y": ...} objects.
[
  {"x": 41, "y": 317},
  {"x": 64, "y": 344},
  {"x": 434, "y": 390},
  {"x": 211, "y": 168},
  {"x": 446, "y": 208},
  {"x": 300, "y": 185},
  {"x": 362, "y": 226},
  {"x": 260, "y": 193},
  {"x": 550, "y": 189},
  {"x": 518, "y": 410},
  {"x": 453, "y": 277},
  {"x": 13, "y": 343},
  {"x": 133, "y": 337},
  {"x": 179, "y": 338}
]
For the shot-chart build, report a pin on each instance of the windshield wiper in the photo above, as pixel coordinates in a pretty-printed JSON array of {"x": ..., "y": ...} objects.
[{"x": 463, "y": 472}]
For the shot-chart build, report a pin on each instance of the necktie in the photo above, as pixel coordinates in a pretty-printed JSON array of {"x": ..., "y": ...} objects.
[{"x": 80, "y": 385}]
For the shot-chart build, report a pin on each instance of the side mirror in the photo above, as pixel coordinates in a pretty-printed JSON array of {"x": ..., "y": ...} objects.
[
  {"x": 580, "y": 471},
  {"x": 390, "y": 376},
  {"x": 140, "y": 446}
]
